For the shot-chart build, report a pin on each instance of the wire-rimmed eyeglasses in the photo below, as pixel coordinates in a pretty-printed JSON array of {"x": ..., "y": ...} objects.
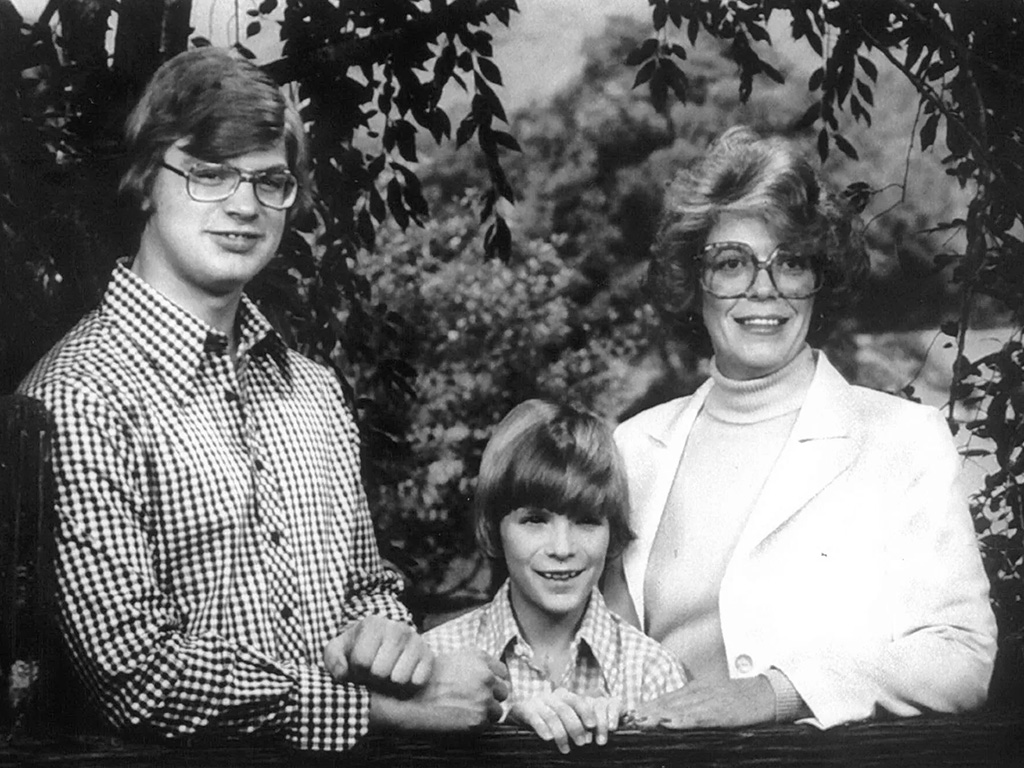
[{"x": 212, "y": 182}]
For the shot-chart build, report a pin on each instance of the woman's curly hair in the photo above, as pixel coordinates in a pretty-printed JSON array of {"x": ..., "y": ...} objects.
[{"x": 744, "y": 174}]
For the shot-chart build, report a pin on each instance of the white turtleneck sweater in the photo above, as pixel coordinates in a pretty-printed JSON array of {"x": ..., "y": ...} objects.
[{"x": 729, "y": 453}]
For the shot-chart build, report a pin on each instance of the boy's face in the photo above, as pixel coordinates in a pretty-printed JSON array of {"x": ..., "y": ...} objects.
[
  {"x": 553, "y": 561},
  {"x": 191, "y": 249}
]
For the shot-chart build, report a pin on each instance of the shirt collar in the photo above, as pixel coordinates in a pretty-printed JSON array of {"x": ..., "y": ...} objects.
[
  {"x": 502, "y": 628},
  {"x": 176, "y": 341},
  {"x": 597, "y": 631}
]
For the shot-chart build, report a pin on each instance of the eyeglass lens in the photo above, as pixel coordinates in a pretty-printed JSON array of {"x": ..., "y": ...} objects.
[
  {"x": 211, "y": 183},
  {"x": 729, "y": 271}
]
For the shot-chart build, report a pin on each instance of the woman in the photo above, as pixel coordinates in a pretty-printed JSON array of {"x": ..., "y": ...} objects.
[{"x": 802, "y": 544}]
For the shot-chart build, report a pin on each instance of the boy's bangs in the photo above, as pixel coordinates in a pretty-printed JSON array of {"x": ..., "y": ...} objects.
[{"x": 561, "y": 491}]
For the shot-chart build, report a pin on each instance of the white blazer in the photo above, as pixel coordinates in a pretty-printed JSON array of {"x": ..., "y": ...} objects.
[{"x": 857, "y": 573}]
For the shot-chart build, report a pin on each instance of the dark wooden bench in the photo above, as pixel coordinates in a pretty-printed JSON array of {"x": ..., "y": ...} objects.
[{"x": 36, "y": 728}]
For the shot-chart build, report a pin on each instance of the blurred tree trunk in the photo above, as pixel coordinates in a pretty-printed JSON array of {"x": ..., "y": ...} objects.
[
  {"x": 148, "y": 33},
  {"x": 84, "y": 30}
]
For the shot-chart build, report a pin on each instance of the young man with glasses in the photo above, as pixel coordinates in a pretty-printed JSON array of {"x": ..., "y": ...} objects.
[{"x": 213, "y": 539}]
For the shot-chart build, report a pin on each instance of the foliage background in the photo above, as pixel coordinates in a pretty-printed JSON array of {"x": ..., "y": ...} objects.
[{"x": 442, "y": 305}]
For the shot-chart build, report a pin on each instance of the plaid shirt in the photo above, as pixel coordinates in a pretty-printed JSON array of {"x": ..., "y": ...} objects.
[
  {"x": 212, "y": 531},
  {"x": 609, "y": 657}
]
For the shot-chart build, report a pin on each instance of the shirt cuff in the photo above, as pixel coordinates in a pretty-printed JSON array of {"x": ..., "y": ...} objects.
[
  {"x": 789, "y": 705},
  {"x": 327, "y": 716}
]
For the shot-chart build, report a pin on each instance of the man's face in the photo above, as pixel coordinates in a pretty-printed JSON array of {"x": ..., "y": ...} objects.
[{"x": 193, "y": 251}]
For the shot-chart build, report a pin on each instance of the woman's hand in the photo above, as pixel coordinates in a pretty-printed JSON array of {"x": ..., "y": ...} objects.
[
  {"x": 564, "y": 717},
  {"x": 729, "y": 703}
]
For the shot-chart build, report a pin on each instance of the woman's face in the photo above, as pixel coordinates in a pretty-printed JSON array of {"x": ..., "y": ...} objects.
[{"x": 759, "y": 333}]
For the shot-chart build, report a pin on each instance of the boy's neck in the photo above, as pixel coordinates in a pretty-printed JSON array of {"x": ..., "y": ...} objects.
[
  {"x": 546, "y": 634},
  {"x": 218, "y": 311}
]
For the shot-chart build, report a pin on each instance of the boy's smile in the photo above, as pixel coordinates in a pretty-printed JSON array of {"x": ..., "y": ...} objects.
[{"x": 554, "y": 563}]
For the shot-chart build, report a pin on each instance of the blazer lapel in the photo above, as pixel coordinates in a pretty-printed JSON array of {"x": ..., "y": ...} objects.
[
  {"x": 818, "y": 450},
  {"x": 666, "y": 442}
]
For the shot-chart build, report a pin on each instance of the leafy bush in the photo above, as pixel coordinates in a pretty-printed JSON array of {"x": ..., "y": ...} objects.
[{"x": 484, "y": 335}]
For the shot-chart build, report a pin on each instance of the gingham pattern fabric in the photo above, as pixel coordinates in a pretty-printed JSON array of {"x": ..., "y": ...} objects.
[
  {"x": 212, "y": 532},
  {"x": 609, "y": 657}
]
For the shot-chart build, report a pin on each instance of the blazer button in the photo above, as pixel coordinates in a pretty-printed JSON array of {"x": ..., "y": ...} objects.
[{"x": 744, "y": 663}]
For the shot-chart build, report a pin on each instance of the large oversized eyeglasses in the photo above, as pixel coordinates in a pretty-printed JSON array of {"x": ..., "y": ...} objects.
[
  {"x": 729, "y": 270},
  {"x": 213, "y": 182}
]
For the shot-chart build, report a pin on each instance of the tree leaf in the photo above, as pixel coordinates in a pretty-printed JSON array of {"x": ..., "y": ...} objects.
[
  {"x": 365, "y": 228},
  {"x": 646, "y": 73},
  {"x": 253, "y": 28},
  {"x": 489, "y": 70},
  {"x": 396, "y": 205},
  {"x": 869, "y": 68},
  {"x": 816, "y": 79},
  {"x": 928, "y": 130},
  {"x": 845, "y": 147},
  {"x": 642, "y": 52},
  {"x": 377, "y": 208},
  {"x": 465, "y": 131},
  {"x": 507, "y": 140},
  {"x": 957, "y": 140},
  {"x": 659, "y": 89},
  {"x": 865, "y": 93},
  {"x": 808, "y": 118},
  {"x": 405, "y": 136},
  {"x": 660, "y": 15},
  {"x": 759, "y": 33},
  {"x": 773, "y": 73}
]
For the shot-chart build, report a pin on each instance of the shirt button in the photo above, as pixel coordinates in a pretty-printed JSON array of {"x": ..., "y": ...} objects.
[
  {"x": 286, "y": 613},
  {"x": 230, "y": 395},
  {"x": 744, "y": 663},
  {"x": 275, "y": 537},
  {"x": 258, "y": 463}
]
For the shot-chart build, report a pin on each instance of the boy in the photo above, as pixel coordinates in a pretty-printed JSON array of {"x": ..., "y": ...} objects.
[
  {"x": 213, "y": 538},
  {"x": 551, "y": 505}
]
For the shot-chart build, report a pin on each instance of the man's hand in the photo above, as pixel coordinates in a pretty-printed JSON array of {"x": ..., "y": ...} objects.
[
  {"x": 379, "y": 653},
  {"x": 729, "y": 703},
  {"x": 464, "y": 692},
  {"x": 564, "y": 717}
]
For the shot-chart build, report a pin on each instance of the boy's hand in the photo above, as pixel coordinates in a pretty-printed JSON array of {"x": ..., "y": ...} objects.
[
  {"x": 376, "y": 652},
  {"x": 608, "y": 712},
  {"x": 562, "y": 716},
  {"x": 464, "y": 693}
]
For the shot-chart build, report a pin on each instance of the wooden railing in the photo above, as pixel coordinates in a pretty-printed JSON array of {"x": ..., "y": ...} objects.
[{"x": 982, "y": 739}]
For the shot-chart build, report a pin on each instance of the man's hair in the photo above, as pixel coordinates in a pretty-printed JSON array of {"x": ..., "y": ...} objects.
[
  {"x": 743, "y": 174},
  {"x": 222, "y": 107},
  {"x": 555, "y": 457}
]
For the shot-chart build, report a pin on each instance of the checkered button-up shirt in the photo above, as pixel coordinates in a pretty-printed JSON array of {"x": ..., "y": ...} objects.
[
  {"x": 608, "y": 656},
  {"x": 212, "y": 531}
]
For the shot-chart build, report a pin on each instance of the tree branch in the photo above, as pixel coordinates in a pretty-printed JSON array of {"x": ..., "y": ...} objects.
[{"x": 368, "y": 50}]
